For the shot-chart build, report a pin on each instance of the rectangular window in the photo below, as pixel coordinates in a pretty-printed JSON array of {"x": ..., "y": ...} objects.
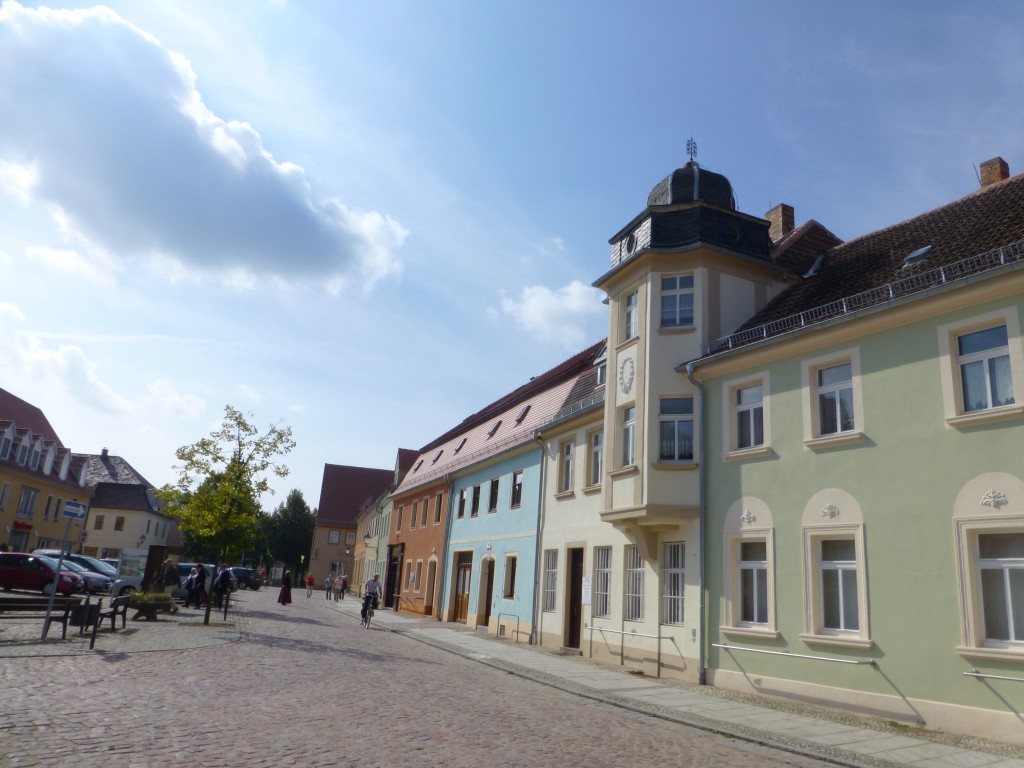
[
  {"x": 27, "y": 503},
  {"x": 628, "y": 435},
  {"x": 350, "y": 537},
  {"x": 5, "y": 491},
  {"x": 985, "y": 375},
  {"x": 462, "y": 504},
  {"x": 594, "y": 469},
  {"x": 673, "y": 582},
  {"x": 97, "y": 524},
  {"x": 426, "y": 512},
  {"x": 414, "y": 515},
  {"x": 835, "y": 399},
  {"x": 1001, "y": 568},
  {"x": 634, "y": 609},
  {"x": 754, "y": 582},
  {"x": 676, "y": 429},
  {"x": 398, "y": 522},
  {"x": 676, "y": 301},
  {"x": 631, "y": 316},
  {"x": 438, "y": 506},
  {"x": 749, "y": 417},
  {"x": 509, "y": 591},
  {"x": 57, "y": 509},
  {"x": 119, "y": 523},
  {"x": 550, "y": 578},
  {"x": 492, "y": 500},
  {"x": 408, "y": 576},
  {"x": 602, "y": 592},
  {"x": 565, "y": 452},
  {"x": 839, "y": 585},
  {"x": 475, "y": 509},
  {"x": 517, "y": 488},
  {"x": 334, "y": 537},
  {"x": 46, "y": 511},
  {"x": 419, "y": 574}
]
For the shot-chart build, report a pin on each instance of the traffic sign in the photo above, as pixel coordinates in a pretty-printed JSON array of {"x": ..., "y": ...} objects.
[{"x": 75, "y": 510}]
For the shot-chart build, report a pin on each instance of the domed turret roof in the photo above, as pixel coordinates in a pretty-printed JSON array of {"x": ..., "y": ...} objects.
[{"x": 691, "y": 183}]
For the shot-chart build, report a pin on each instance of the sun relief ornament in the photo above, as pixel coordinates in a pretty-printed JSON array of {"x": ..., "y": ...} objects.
[
  {"x": 994, "y": 499},
  {"x": 626, "y": 373},
  {"x": 747, "y": 517},
  {"x": 830, "y": 511}
]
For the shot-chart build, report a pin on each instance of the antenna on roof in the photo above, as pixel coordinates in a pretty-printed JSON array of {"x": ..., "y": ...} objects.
[
  {"x": 976, "y": 174},
  {"x": 691, "y": 148}
]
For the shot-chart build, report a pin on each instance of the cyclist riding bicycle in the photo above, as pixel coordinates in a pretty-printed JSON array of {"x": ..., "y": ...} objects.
[{"x": 370, "y": 597}]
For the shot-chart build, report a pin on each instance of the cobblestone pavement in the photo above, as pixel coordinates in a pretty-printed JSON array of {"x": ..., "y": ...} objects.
[{"x": 305, "y": 685}]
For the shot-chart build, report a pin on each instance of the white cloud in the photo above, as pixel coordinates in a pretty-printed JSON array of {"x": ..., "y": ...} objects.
[
  {"x": 555, "y": 316},
  {"x": 117, "y": 140},
  {"x": 249, "y": 393},
  {"x": 69, "y": 264}
]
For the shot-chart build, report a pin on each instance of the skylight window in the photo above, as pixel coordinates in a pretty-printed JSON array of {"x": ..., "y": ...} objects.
[
  {"x": 522, "y": 413},
  {"x": 437, "y": 456},
  {"x": 494, "y": 428},
  {"x": 458, "y": 447},
  {"x": 418, "y": 465},
  {"x": 919, "y": 255}
]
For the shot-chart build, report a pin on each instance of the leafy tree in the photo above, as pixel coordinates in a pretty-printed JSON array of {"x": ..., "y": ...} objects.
[
  {"x": 220, "y": 481},
  {"x": 290, "y": 530}
]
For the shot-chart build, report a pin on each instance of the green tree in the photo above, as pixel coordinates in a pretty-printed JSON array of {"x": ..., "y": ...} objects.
[
  {"x": 220, "y": 481},
  {"x": 290, "y": 530}
]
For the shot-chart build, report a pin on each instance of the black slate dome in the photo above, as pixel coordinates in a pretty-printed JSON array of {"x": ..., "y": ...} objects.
[{"x": 690, "y": 184}]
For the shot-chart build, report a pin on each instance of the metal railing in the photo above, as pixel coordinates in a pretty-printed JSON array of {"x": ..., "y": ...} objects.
[
  {"x": 974, "y": 265},
  {"x": 515, "y": 616},
  {"x": 622, "y": 646},
  {"x": 976, "y": 673},
  {"x": 792, "y": 655}
]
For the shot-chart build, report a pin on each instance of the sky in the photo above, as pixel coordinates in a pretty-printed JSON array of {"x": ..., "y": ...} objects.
[{"x": 366, "y": 221}]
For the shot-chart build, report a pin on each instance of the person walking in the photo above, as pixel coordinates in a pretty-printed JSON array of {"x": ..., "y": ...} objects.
[
  {"x": 285, "y": 596},
  {"x": 329, "y": 585},
  {"x": 222, "y": 585},
  {"x": 344, "y": 585},
  {"x": 190, "y": 588},
  {"x": 170, "y": 579},
  {"x": 310, "y": 581},
  {"x": 200, "y": 585}
]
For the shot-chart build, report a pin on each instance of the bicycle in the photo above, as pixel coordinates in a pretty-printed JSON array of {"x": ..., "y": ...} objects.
[{"x": 370, "y": 602}]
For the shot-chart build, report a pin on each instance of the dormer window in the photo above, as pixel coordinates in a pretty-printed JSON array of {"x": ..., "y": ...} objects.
[
  {"x": 6, "y": 441},
  {"x": 458, "y": 447},
  {"x": 51, "y": 454},
  {"x": 494, "y": 428},
  {"x": 37, "y": 453},
  {"x": 522, "y": 413},
  {"x": 65, "y": 465},
  {"x": 23, "y": 449}
]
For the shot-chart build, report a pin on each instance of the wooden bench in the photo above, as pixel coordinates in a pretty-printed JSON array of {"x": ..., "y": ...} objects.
[
  {"x": 118, "y": 607},
  {"x": 35, "y": 608}
]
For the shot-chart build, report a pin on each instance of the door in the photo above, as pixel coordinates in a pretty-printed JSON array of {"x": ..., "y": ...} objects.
[
  {"x": 392, "y": 584},
  {"x": 575, "y": 617},
  {"x": 488, "y": 590},
  {"x": 463, "y": 578}
]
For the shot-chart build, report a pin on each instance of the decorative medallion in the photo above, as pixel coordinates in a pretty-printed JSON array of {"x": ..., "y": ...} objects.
[
  {"x": 626, "y": 373},
  {"x": 994, "y": 499},
  {"x": 830, "y": 511},
  {"x": 747, "y": 517}
]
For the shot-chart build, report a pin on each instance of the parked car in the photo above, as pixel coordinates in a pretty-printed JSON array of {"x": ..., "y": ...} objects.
[
  {"x": 95, "y": 583},
  {"x": 247, "y": 578},
  {"x": 180, "y": 593},
  {"x": 94, "y": 565},
  {"x": 21, "y": 570}
]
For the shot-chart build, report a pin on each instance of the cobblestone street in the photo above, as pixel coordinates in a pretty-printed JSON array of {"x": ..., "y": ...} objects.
[{"x": 305, "y": 685}]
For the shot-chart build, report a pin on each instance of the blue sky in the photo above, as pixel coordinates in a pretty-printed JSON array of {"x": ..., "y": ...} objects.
[{"x": 368, "y": 220}]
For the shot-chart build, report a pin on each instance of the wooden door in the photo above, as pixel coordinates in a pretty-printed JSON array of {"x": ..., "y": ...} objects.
[{"x": 463, "y": 580}]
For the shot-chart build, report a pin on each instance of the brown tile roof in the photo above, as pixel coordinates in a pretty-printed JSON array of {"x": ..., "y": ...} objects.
[
  {"x": 26, "y": 416},
  {"x": 965, "y": 237},
  {"x": 799, "y": 249},
  {"x": 346, "y": 490}
]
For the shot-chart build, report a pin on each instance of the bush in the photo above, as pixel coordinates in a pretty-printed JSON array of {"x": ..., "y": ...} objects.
[{"x": 150, "y": 597}]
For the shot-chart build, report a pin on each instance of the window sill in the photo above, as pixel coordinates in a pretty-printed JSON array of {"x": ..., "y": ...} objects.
[
  {"x": 763, "y": 634},
  {"x": 995, "y": 654},
  {"x": 590, "y": 490},
  {"x": 987, "y": 416},
  {"x": 840, "y": 641},
  {"x": 757, "y": 452},
  {"x": 675, "y": 466},
  {"x": 676, "y": 329},
  {"x": 565, "y": 495},
  {"x": 632, "y": 469},
  {"x": 834, "y": 441}
]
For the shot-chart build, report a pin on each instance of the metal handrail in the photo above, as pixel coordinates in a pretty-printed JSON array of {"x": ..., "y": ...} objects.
[
  {"x": 976, "y": 673},
  {"x": 514, "y": 616},
  {"x": 591, "y": 627},
  {"x": 793, "y": 655}
]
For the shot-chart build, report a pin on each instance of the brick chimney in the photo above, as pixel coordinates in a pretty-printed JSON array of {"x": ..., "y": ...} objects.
[
  {"x": 782, "y": 219},
  {"x": 993, "y": 171}
]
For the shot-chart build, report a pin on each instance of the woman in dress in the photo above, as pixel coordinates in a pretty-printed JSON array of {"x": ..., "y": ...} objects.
[{"x": 285, "y": 598}]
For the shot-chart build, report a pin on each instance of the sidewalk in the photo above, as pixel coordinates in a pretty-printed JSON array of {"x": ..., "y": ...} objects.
[{"x": 835, "y": 736}]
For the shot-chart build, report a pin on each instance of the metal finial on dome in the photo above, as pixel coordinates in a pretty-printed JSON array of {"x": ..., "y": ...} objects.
[{"x": 691, "y": 148}]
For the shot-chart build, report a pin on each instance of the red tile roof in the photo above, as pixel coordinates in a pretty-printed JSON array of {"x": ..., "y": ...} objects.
[{"x": 346, "y": 490}]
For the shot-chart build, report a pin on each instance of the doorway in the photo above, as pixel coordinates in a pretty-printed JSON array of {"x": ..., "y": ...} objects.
[
  {"x": 463, "y": 579},
  {"x": 428, "y": 602},
  {"x": 575, "y": 613},
  {"x": 486, "y": 591},
  {"x": 393, "y": 582}
]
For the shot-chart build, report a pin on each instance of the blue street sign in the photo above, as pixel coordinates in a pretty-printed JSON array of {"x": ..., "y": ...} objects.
[{"x": 75, "y": 510}]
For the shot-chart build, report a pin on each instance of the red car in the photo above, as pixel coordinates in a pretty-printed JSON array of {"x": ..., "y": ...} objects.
[{"x": 19, "y": 570}]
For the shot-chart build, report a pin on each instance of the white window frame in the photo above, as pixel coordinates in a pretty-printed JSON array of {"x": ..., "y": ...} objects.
[
  {"x": 333, "y": 537},
  {"x": 566, "y": 456},
  {"x": 601, "y": 605},
  {"x": 633, "y": 585},
  {"x": 7, "y": 441},
  {"x": 950, "y": 367},
  {"x": 631, "y": 315},
  {"x": 438, "y": 507},
  {"x": 550, "y": 579},
  {"x": 5, "y": 491},
  {"x": 508, "y": 591},
  {"x": 673, "y": 582},
  {"x": 27, "y": 503},
  {"x": 731, "y": 415},
  {"x": 813, "y": 435},
  {"x": 595, "y": 455},
  {"x": 493, "y": 495},
  {"x": 814, "y": 605},
  {"x": 516, "y": 499},
  {"x": 628, "y": 423},
  {"x": 462, "y": 503},
  {"x": 673, "y": 286},
  {"x": 676, "y": 420}
]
